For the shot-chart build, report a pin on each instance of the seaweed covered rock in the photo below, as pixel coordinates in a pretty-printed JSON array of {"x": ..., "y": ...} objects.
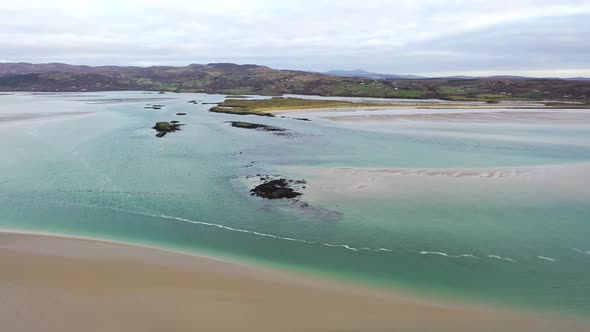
[
  {"x": 249, "y": 125},
  {"x": 275, "y": 189},
  {"x": 164, "y": 128}
]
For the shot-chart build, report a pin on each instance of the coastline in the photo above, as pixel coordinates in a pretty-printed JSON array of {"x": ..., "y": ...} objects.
[
  {"x": 429, "y": 106},
  {"x": 81, "y": 283}
]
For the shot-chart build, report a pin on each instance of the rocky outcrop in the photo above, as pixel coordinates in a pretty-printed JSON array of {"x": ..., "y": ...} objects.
[
  {"x": 164, "y": 128},
  {"x": 275, "y": 189},
  {"x": 258, "y": 126}
]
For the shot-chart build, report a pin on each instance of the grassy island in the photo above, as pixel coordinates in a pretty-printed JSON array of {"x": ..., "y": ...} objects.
[{"x": 264, "y": 106}]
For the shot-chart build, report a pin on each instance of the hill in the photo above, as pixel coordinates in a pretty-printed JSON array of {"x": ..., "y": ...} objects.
[{"x": 365, "y": 74}]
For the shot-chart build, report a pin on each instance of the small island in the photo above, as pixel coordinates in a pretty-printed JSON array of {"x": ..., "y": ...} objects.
[
  {"x": 164, "y": 128},
  {"x": 264, "y": 107}
]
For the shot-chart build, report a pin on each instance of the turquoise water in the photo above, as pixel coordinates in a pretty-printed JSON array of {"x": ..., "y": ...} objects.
[{"x": 104, "y": 174}]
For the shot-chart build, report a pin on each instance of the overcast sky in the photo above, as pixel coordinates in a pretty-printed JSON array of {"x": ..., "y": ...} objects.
[{"x": 424, "y": 37}]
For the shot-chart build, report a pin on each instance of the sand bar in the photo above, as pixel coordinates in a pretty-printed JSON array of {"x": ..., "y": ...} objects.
[
  {"x": 63, "y": 284},
  {"x": 34, "y": 116},
  {"x": 505, "y": 117}
]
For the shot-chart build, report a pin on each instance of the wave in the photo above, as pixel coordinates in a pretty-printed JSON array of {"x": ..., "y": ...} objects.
[
  {"x": 581, "y": 251},
  {"x": 326, "y": 244},
  {"x": 503, "y": 258},
  {"x": 447, "y": 255}
]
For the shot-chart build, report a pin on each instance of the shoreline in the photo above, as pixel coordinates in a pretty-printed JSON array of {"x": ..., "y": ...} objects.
[
  {"x": 140, "y": 283},
  {"x": 428, "y": 106}
]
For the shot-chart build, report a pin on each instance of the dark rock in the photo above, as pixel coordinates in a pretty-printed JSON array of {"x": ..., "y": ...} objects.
[
  {"x": 180, "y": 113},
  {"x": 302, "y": 119},
  {"x": 165, "y": 127},
  {"x": 249, "y": 125},
  {"x": 175, "y": 121},
  {"x": 275, "y": 189}
]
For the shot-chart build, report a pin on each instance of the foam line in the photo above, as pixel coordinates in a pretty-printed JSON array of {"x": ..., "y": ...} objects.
[
  {"x": 332, "y": 245},
  {"x": 503, "y": 258},
  {"x": 447, "y": 255},
  {"x": 581, "y": 251}
]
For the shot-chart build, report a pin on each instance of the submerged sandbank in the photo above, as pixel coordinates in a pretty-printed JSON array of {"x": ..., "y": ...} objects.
[
  {"x": 33, "y": 116},
  {"x": 333, "y": 182},
  {"x": 63, "y": 284}
]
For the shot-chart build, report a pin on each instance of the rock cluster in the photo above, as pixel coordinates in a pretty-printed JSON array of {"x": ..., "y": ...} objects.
[
  {"x": 164, "y": 128},
  {"x": 275, "y": 189},
  {"x": 249, "y": 125}
]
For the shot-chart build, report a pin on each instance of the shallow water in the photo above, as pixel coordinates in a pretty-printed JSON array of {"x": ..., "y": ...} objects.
[{"x": 104, "y": 174}]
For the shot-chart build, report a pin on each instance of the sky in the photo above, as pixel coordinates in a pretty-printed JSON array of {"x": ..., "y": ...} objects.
[{"x": 423, "y": 37}]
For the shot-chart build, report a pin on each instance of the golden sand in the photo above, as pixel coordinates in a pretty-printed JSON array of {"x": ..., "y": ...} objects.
[{"x": 63, "y": 284}]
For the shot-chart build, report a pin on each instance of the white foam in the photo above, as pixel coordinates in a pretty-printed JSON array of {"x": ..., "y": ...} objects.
[
  {"x": 345, "y": 246},
  {"x": 503, "y": 258},
  {"x": 447, "y": 255},
  {"x": 332, "y": 245},
  {"x": 581, "y": 251}
]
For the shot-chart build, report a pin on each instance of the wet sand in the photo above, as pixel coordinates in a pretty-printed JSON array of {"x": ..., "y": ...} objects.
[
  {"x": 503, "y": 117},
  {"x": 33, "y": 116},
  {"x": 63, "y": 284},
  {"x": 350, "y": 182},
  {"x": 429, "y": 106}
]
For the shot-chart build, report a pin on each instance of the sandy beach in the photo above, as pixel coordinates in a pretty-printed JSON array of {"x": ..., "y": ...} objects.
[
  {"x": 418, "y": 106},
  {"x": 63, "y": 284},
  {"x": 505, "y": 117}
]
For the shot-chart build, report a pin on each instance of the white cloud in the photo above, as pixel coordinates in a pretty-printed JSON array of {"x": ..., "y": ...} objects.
[{"x": 422, "y": 37}]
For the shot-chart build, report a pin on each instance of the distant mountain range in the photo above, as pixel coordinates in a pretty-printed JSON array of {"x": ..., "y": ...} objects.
[
  {"x": 229, "y": 78},
  {"x": 359, "y": 73}
]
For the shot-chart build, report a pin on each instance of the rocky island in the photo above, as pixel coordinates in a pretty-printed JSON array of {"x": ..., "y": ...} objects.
[
  {"x": 264, "y": 107},
  {"x": 164, "y": 128},
  {"x": 275, "y": 189}
]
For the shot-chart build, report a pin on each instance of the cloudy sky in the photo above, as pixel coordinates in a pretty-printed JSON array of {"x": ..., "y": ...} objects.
[{"x": 424, "y": 37}]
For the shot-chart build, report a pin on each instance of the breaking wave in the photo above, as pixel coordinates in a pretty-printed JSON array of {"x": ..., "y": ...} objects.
[
  {"x": 331, "y": 245},
  {"x": 447, "y": 255},
  {"x": 508, "y": 259}
]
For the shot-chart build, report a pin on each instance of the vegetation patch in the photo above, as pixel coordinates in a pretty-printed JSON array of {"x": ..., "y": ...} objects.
[
  {"x": 164, "y": 128},
  {"x": 262, "y": 107}
]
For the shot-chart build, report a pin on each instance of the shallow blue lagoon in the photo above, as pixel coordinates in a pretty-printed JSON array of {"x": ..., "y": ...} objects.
[{"x": 105, "y": 174}]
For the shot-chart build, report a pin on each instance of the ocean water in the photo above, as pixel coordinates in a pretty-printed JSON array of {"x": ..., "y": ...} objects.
[{"x": 104, "y": 174}]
